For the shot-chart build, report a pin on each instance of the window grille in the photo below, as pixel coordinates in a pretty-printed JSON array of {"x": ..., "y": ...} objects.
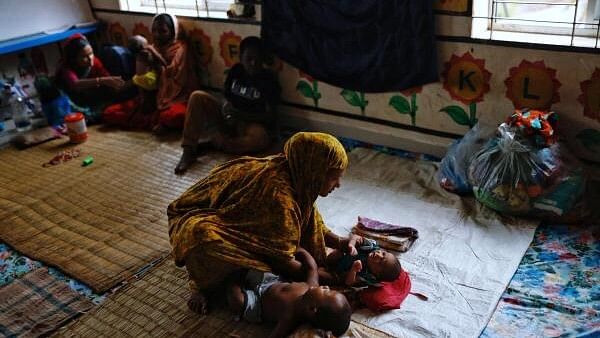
[
  {"x": 200, "y": 8},
  {"x": 556, "y": 22}
]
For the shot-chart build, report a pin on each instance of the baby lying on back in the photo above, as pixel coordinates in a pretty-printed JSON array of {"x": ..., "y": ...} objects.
[
  {"x": 263, "y": 296},
  {"x": 368, "y": 265}
]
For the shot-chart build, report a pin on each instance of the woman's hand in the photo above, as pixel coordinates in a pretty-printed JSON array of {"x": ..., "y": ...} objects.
[
  {"x": 114, "y": 82},
  {"x": 156, "y": 55},
  {"x": 348, "y": 245}
]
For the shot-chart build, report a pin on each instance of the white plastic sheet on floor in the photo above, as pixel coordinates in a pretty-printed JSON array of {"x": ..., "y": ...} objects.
[{"x": 465, "y": 255}]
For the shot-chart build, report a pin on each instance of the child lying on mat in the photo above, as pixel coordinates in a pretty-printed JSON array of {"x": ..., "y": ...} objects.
[
  {"x": 262, "y": 296},
  {"x": 369, "y": 266}
]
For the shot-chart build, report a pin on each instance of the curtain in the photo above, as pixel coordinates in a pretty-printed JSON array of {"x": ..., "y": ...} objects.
[{"x": 367, "y": 45}]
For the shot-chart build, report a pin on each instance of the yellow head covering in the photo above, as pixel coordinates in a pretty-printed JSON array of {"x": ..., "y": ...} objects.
[{"x": 310, "y": 156}]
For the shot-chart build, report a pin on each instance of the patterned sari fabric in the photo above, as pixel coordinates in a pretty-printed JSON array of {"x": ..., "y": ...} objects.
[
  {"x": 556, "y": 289},
  {"x": 254, "y": 212}
]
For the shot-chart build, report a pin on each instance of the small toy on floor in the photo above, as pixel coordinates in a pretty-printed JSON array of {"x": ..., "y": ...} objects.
[{"x": 87, "y": 161}]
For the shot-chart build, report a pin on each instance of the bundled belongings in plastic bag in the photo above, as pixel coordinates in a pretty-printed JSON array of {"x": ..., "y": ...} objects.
[
  {"x": 522, "y": 170},
  {"x": 452, "y": 174},
  {"x": 388, "y": 236}
]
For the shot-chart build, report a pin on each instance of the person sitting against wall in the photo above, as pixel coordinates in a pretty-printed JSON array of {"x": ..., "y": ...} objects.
[
  {"x": 176, "y": 80},
  {"x": 84, "y": 79},
  {"x": 139, "y": 112},
  {"x": 245, "y": 122}
]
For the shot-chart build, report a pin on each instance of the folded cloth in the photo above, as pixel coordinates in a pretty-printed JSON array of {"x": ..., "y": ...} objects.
[
  {"x": 386, "y": 228},
  {"x": 388, "y": 236}
]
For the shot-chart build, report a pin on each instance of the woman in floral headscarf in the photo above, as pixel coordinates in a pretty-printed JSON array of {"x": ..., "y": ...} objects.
[
  {"x": 176, "y": 81},
  {"x": 256, "y": 212}
]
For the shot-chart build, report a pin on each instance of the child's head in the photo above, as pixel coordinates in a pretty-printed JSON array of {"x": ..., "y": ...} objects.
[
  {"x": 136, "y": 43},
  {"x": 383, "y": 265},
  {"x": 327, "y": 309},
  {"x": 251, "y": 54},
  {"x": 144, "y": 62}
]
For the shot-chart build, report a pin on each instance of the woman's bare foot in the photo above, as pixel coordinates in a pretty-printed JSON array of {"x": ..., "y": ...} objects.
[
  {"x": 159, "y": 130},
  {"x": 198, "y": 303},
  {"x": 188, "y": 157}
]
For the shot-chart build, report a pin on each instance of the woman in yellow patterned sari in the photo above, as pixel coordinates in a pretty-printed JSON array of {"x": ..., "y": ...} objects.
[{"x": 256, "y": 212}]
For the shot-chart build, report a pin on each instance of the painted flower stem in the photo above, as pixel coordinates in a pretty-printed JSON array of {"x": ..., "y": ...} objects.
[
  {"x": 472, "y": 114},
  {"x": 413, "y": 109},
  {"x": 315, "y": 87},
  {"x": 362, "y": 103}
]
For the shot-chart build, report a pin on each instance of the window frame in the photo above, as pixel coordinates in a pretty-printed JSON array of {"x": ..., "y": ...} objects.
[
  {"x": 576, "y": 33},
  {"x": 189, "y": 8}
]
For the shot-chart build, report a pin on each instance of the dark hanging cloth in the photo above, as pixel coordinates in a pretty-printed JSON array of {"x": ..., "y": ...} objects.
[{"x": 367, "y": 45}]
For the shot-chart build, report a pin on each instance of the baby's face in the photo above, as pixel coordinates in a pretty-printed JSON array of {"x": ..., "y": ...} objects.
[
  {"x": 379, "y": 261},
  {"x": 318, "y": 293},
  {"x": 322, "y": 295},
  {"x": 141, "y": 67}
]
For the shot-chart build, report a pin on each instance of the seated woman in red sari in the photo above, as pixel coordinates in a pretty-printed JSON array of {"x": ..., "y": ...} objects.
[
  {"x": 84, "y": 79},
  {"x": 176, "y": 80}
]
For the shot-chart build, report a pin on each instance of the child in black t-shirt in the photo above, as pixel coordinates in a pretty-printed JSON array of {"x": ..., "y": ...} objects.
[
  {"x": 251, "y": 91},
  {"x": 244, "y": 123}
]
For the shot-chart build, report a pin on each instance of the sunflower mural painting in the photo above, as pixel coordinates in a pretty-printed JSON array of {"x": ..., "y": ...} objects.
[
  {"x": 202, "y": 51},
  {"x": 229, "y": 44},
  {"x": 466, "y": 80},
  {"x": 590, "y": 99},
  {"x": 403, "y": 106},
  {"x": 143, "y": 30},
  {"x": 356, "y": 99},
  {"x": 117, "y": 34},
  {"x": 532, "y": 85},
  {"x": 590, "y": 96},
  {"x": 309, "y": 88}
]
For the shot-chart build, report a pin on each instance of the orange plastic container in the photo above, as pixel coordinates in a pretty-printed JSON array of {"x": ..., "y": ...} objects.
[{"x": 76, "y": 127}]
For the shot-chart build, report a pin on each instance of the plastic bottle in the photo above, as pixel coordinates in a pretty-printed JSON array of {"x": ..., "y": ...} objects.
[{"x": 20, "y": 113}]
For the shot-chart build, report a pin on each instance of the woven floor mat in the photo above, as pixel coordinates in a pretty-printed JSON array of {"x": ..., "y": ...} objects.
[
  {"x": 156, "y": 306},
  {"x": 37, "y": 304},
  {"x": 99, "y": 223}
]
